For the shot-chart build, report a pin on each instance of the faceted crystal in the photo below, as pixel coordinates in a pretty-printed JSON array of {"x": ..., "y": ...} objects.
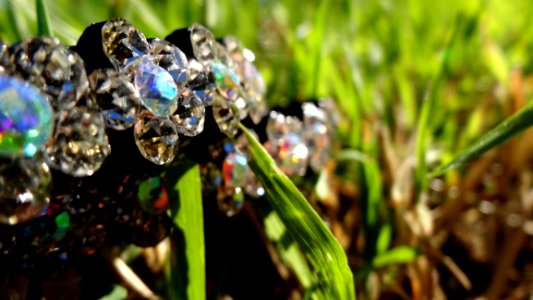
[
  {"x": 285, "y": 136},
  {"x": 172, "y": 59},
  {"x": 117, "y": 98},
  {"x": 226, "y": 117},
  {"x": 203, "y": 43},
  {"x": 190, "y": 116},
  {"x": 235, "y": 170},
  {"x": 230, "y": 200},
  {"x": 226, "y": 81},
  {"x": 51, "y": 66},
  {"x": 156, "y": 138},
  {"x": 153, "y": 196},
  {"x": 253, "y": 187},
  {"x": 254, "y": 88},
  {"x": 201, "y": 81},
  {"x": 157, "y": 88},
  {"x": 24, "y": 189},
  {"x": 79, "y": 145},
  {"x": 26, "y": 118},
  {"x": 317, "y": 135},
  {"x": 121, "y": 41},
  {"x": 211, "y": 177}
]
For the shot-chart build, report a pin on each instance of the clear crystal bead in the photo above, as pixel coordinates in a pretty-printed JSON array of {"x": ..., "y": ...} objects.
[
  {"x": 253, "y": 187},
  {"x": 290, "y": 150},
  {"x": 157, "y": 138},
  {"x": 254, "y": 89},
  {"x": 79, "y": 145},
  {"x": 26, "y": 118},
  {"x": 230, "y": 200},
  {"x": 203, "y": 43},
  {"x": 157, "y": 88},
  {"x": 317, "y": 135},
  {"x": 211, "y": 177},
  {"x": 226, "y": 117},
  {"x": 52, "y": 67},
  {"x": 201, "y": 81},
  {"x": 24, "y": 190},
  {"x": 116, "y": 97},
  {"x": 226, "y": 81},
  {"x": 121, "y": 41},
  {"x": 235, "y": 170},
  {"x": 172, "y": 59},
  {"x": 190, "y": 116}
]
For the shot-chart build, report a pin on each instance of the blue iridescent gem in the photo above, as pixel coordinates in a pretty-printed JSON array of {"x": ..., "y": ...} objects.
[
  {"x": 25, "y": 118},
  {"x": 157, "y": 88}
]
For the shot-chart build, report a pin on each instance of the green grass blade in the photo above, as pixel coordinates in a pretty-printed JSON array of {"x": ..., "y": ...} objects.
[
  {"x": 325, "y": 254},
  {"x": 187, "y": 278},
  {"x": 397, "y": 255},
  {"x": 43, "y": 21},
  {"x": 430, "y": 104},
  {"x": 501, "y": 133}
]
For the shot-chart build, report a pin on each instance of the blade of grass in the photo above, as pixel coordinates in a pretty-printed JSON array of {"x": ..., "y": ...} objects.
[
  {"x": 324, "y": 252},
  {"x": 501, "y": 133},
  {"x": 430, "y": 104},
  {"x": 187, "y": 278},
  {"x": 43, "y": 21}
]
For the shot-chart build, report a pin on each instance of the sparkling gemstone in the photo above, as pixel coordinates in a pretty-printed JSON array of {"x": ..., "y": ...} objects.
[
  {"x": 201, "y": 81},
  {"x": 203, "y": 43},
  {"x": 79, "y": 145},
  {"x": 226, "y": 117},
  {"x": 226, "y": 81},
  {"x": 24, "y": 189},
  {"x": 253, "y": 187},
  {"x": 52, "y": 67},
  {"x": 156, "y": 138},
  {"x": 26, "y": 118},
  {"x": 172, "y": 59},
  {"x": 211, "y": 177},
  {"x": 190, "y": 115},
  {"x": 153, "y": 196},
  {"x": 317, "y": 135},
  {"x": 290, "y": 150},
  {"x": 230, "y": 200},
  {"x": 121, "y": 41},
  {"x": 157, "y": 88},
  {"x": 235, "y": 170},
  {"x": 117, "y": 98},
  {"x": 254, "y": 89}
]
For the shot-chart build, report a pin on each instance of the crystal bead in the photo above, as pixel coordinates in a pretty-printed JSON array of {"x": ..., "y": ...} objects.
[
  {"x": 117, "y": 98},
  {"x": 172, "y": 59},
  {"x": 226, "y": 81},
  {"x": 203, "y": 43},
  {"x": 24, "y": 190},
  {"x": 152, "y": 195},
  {"x": 227, "y": 118},
  {"x": 285, "y": 136},
  {"x": 79, "y": 145},
  {"x": 201, "y": 82},
  {"x": 147, "y": 230},
  {"x": 26, "y": 118},
  {"x": 190, "y": 116},
  {"x": 235, "y": 170},
  {"x": 52, "y": 67},
  {"x": 253, "y": 187},
  {"x": 317, "y": 135},
  {"x": 121, "y": 41},
  {"x": 156, "y": 138},
  {"x": 230, "y": 200},
  {"x": 157, "y": 88},
  {"x": 254, "y": 89},
  {"x": 211, "y": 177}
]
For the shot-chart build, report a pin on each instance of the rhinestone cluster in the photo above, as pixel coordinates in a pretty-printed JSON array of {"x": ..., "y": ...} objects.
[
  {"x": 62, "y": 188},
  {"x": 162, "y": 93},
  {"x": 296, "y": 145}
]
